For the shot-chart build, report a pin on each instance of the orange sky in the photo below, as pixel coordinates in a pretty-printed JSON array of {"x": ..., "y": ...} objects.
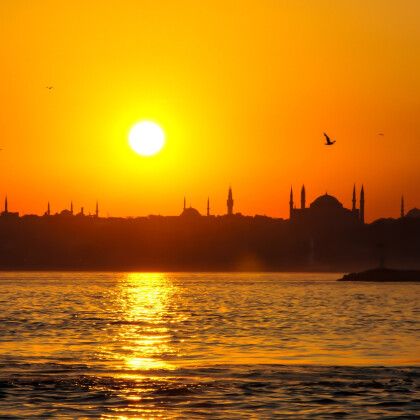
[{"x": 242, "y": 89}]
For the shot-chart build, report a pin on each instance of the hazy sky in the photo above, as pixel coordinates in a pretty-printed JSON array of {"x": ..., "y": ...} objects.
[{"x": 242, "y": 89}]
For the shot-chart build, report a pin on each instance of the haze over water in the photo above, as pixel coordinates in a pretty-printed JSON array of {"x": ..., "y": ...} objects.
[{"x": 135, "y": 345}]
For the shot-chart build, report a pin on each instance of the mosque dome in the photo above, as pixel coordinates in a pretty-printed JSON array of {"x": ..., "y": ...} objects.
[
  {"x": 413, "y": 213},
  {"x": 190, "y": 212},
  {"x": 66, "y": 213},
  {"x": 326, "y": 202}
]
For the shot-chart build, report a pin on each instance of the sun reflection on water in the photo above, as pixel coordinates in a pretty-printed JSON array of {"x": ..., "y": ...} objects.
[{"x": 144, "y": 309}]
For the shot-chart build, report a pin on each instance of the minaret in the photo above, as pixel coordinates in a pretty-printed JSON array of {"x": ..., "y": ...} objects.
[
  {"x": 5, "y": 205},
  {"x": 362, "y": 205},
  {"x": 71, "y": 207},
  {"x": 230, "y": 202},
  {"x": 48, "y": 209},
  {"x": 402, "y": 206},
  {"x": 354, "y": 198},
  {"x": 208, "y": 206},
  {"x": 291, "y": 202},
  {"x": 302, "y": 197},
  {"x": 184, "y": 203},
  {"x": 97, "y": 210}
]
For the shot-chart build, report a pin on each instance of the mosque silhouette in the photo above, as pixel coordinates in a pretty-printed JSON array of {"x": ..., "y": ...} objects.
[{"x": 327, "y": 209}]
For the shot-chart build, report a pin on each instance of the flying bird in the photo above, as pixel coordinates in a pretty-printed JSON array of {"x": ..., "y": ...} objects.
[
  {"x": 381, "y": 134},
  {"x": 49, "y": 87},
  {"x": 329, "y": 142}
]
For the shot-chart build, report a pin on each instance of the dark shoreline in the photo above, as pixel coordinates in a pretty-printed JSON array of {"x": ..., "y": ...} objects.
[{"x": 384, "y": 275}]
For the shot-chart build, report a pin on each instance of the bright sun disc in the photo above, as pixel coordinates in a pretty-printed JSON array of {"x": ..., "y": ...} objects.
[{"x": 146, "y": 138}]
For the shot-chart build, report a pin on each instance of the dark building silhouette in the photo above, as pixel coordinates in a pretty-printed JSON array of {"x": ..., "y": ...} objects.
[
  {"x": 402, "y": 206},
  {"x": 208, "y": 206},
  {"x": 302, "y": 197},
  {"x": 354, "y": 199},
  {"x": 413, "y": 213},
  {"x": 6, "y": 212},
  {"x": 362, "y": 205},
  {"x": 189, "y": 212},
  {"x": 82, "y": 212},
  {"x": 326, "y": 210},
  {"x": 291, "y": 204},
  {"x": 66, "y": 212},
  {"x": 230, "y": 202}
]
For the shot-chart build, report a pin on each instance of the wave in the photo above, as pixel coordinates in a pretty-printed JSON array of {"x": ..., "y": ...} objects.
[{"x": 225, "y": 391}]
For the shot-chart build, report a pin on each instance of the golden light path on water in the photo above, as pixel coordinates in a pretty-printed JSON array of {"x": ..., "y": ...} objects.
[
  {"x": 141, "y": 301},
  {"x": 143, "y": 339},
  {"x": 167, "y": 321}
]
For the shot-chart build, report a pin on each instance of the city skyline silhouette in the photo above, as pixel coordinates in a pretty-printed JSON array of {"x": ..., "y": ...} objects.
[
  {"x": 293, "y": 211},
  {"x": 321, "y": 236}
]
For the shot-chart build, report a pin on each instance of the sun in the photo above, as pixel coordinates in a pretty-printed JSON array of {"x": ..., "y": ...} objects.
[{"x": 146, "y": 138}]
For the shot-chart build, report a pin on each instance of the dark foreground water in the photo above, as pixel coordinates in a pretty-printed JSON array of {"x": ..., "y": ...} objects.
[{"x": 216, "y": 346}]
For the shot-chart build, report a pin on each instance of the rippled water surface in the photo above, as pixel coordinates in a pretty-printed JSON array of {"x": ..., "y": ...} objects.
[{"x": 217, "y": 346}]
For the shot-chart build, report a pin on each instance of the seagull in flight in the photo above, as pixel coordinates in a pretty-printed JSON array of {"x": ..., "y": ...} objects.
[
  {"x": 49, "y": 87},
  {"x": 381, "y": 134},
  {"x": 329, "y": 142}
]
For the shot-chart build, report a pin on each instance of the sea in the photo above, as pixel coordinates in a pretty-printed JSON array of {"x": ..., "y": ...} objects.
[{"x": 207, "y": 346}]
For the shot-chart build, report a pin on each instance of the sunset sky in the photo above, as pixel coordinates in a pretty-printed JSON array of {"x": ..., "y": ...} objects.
[{"x": 243, "y": 90}]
